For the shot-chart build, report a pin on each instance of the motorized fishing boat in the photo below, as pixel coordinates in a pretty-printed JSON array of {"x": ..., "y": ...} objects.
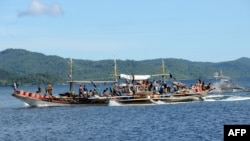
[
  {"x": 136, "y": 91},
  {"x": 139, "y": 90},
  {"x": 142, "y": 93},
  {"x": 37, "y": 99},
  {"x": 40, "y": 100},
  {"x": 131, "y": 93}
]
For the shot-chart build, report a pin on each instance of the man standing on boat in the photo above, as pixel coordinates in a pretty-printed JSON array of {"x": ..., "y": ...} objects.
[
  {"x": 39, "y": 89},
  {"x": 15, "y": 86},
  {"x": 133, "y": 78},
  {"x": 49, "y": 89},
  {"x": 80, "y": 91}
]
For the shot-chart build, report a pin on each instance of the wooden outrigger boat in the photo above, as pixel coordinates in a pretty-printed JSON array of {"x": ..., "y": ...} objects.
[
  {"x": 175, "y": 97},
  {"x": 40, "y": 100},
  {"x": 139, "y": 92}
]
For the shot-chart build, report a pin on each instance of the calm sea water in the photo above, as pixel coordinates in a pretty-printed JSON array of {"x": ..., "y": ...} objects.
[{"x": 191, "y": 121}]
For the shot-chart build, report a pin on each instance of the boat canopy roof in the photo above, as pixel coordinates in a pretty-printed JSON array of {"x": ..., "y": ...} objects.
[
  {"x": 76, "y": 81},
  {"x": 136, "y": 77},
  {"x": 140, "y": 77}
]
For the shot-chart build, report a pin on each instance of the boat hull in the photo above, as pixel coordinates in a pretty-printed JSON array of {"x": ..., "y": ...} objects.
[
  {"x": 38, "y": 100},
  {"x": 153, "y": 99},
  {"x": 178, "y": 99},
  {"x": 132, "y": 100}
]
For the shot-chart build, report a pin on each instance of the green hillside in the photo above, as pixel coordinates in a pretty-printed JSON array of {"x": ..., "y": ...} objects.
[{"x": 32, "y": 68}]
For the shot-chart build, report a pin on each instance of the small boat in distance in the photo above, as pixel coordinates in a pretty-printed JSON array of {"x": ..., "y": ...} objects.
[{"x": 224, "y": 84}]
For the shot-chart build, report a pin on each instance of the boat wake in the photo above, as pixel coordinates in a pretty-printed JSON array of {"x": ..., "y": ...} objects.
[
  {"x": 114, "y": 103},
  {"x": 236, "y": 98},
  {"x": 215, "y": 96},
  {"x": 211, "y": 98},
  {"x": 160, "y": 102},
  {"x": 26, "y": 104}
]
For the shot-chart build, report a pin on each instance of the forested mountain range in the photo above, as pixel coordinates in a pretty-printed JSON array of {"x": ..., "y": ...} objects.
[{"x": 32, "y": 68}]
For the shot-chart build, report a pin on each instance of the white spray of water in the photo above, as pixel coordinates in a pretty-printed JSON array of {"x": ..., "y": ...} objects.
[
  {"x": 160, "y": 102},
  {"x": 236, "y": 98},
  {"x": 214, "y": 96},
  {"x": 26, "y": 105},
  {"x": 209, "y": 100},
  {"x": 114, "y": 103}
]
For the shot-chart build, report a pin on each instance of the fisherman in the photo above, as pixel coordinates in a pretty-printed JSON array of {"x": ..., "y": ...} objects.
[
  {"x": 150, "y": 86},
  {"x": 49, "y": 89},
  {"x": 133, "y": 78},
  {"x": 105, "y": 92},
  {"x": 203, "y": 86},
  {"x": 39, "y": 89},
  {"x": 116, "y": 90},
  {"x": 84, "y": 88},
  {"x": 80, "y": 91},
  {"x": 168, "y": 89},
  {"x": 198, "y": 86},
  {"x": 161, "y": 89},
  {"x": 15, "y": 86},
  {"x": 95, "y": 92},
  {"x": 208, "y": 87}
]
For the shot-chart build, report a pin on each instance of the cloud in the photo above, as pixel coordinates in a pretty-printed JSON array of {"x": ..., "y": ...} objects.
[{"x": 36, "y": 8}]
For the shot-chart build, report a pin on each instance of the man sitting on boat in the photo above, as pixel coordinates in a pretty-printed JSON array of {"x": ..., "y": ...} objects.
[
  {"x": 105, "y": 92},
  {"x": 116, "y": 90}
]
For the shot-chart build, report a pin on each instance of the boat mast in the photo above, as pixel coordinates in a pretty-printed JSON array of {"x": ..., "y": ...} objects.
[
  {"x": 70, "y": 68},
  {"x": 163, "y": 70},
  {"x": 70, "y": 74},
  {"x": 115, "y": 70}
]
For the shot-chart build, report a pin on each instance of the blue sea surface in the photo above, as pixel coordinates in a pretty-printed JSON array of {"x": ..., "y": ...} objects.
[{"x": 191, "y": 121}]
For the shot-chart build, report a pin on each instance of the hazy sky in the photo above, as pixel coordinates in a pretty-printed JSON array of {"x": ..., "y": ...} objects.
[{"x": 196, "y": 30}]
